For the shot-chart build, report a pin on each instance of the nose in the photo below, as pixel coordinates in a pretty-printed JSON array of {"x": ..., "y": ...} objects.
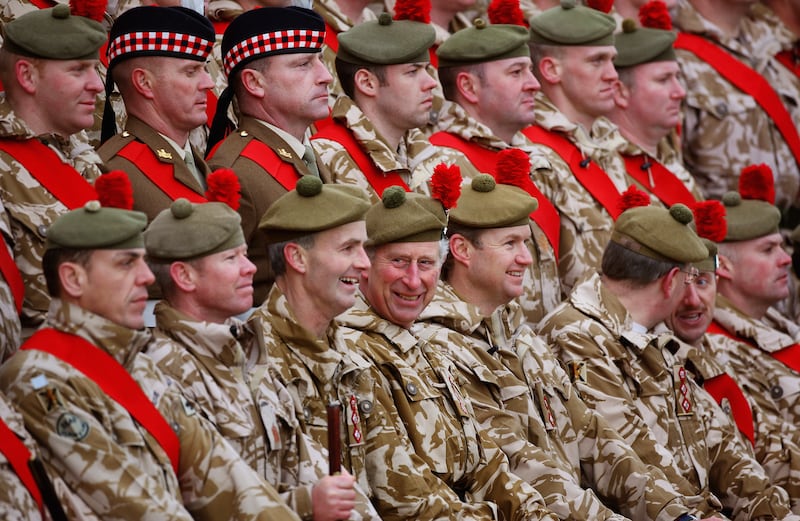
[
  {"x": 248, "y": 268},
  {"x": 144, "y": 276},
  {"x": 411, "y": 278},
  {"x": 362, "y": 260},
  {"x": 610, "y": 72},
  {"x": 784, "y": 259},
  {"x": 678, "y": 92},
  {"x": 323, "y": 74},
  {"x": 95, "y": 83},
  {"x": 524, "y": 257},
  {"x": 531, "y": 83},
  {"x": 206, "y": 81},
  {"x": 691, "y": 297}
]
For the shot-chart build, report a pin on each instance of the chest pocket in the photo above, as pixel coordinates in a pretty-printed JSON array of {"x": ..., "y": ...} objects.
[{"x": 720, "y": 104}]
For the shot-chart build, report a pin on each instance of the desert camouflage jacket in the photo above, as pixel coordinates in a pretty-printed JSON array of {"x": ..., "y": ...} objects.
[
  {"x": 10, "y": 328},
  {"x": 16, "y": 503}
]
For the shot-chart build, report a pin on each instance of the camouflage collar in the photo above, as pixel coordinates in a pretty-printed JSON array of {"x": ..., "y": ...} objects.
[
  {"x": 771, "y": 334},
  {"x": 362, "y": 317}
]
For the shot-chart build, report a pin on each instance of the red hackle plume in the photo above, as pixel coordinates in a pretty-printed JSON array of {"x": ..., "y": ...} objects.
[
  {"x": 757, "y": 182},
  {"x": 506, "y": 12},
  {"x": 446, "y": 184},
  {"x": 709, "y": 218},
  {"x": 93, "y": 9},
  {"x": 603, "y": 6},
  {"x": 114, "y": 190},
  {"x": 223, "y": 187},
  {"x": 513, "y": 168},
  {"x": 414, "y": 10},
  {"x": 654, "y": 14},
  {"x": 633, "y": 197}
]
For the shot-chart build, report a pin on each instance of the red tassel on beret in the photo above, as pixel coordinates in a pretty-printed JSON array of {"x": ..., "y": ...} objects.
[
  {"x": 757, "y": 182},
  {"x": 506, "y": 12},
  {"x": 414, "y": 10},
  {"x": 513, "y": 168},
  {"x": 114, "y": 190},
  {"x": 224, "y": 187},
  {"x": 654, "y": 14},
  {"x": 633, "y": 197},
  {"x": 93, "y": 9},
  {"x": 603, "y": 6},
  {"x": 446, "y": 184},
  {"x": 709, "y": 217}
]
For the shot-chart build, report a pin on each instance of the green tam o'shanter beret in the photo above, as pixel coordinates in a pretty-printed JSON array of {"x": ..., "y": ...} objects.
[
  {"x": 571, "y": 24},
  {"x": 484, "y": 43},
  {"x": 54, "y": 34},
  {"x": 638, "y": 45},
  {"x": 312, "y": 207},
  {"x": 659, "y": 233},
  {"x": 386, "y": 42},
  {"x": 711, "y": 262},
  {"x": 186, "y": 231},
  {"x": 404, "y": 217},
  {"x": 486, "y": 204},
  {"x": 96, "y": 228},
  {"x": 749, "y": 218}
]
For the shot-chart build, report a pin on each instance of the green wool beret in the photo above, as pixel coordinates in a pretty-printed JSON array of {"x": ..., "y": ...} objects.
[
  {"x": 54, "y": 34},
  {"x": 386, "y": 42},
  {"x": 486, "y": 204},
  {"x": 96, "y": 228},
  {"x": 571, "y": 24},
  {"x": 484, "y": 43},
  {"x": 638, "y": 45},
  {"x": 312, "y": 207},
  {"x": 749, "y": 218},
  {"x": 710, "y": 263},
  {"x": 404, "y": 217},
  {"x": 186, "y": 231},
  {"x": 659, "y": 233}
]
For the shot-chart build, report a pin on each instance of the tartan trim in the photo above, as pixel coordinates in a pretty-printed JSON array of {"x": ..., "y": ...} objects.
[
  {"x": 159, "y": 41},
  {"x": 272, "y": 42}
]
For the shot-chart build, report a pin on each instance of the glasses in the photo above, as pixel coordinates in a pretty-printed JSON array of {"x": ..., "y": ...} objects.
[{"x": 691, "y": 275}]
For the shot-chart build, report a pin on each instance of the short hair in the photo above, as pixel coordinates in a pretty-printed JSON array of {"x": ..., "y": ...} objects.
[
  {"x": 235, "y": 80},
  {"x": 346, "y": 72},
  {"x": 541, "y": 51},
  {"x": 54, "y": 258},
  {"x": 473, "y": 235},
  {"x": 626, "y": 76},
  {"x": 277, "y": 261},
  {"x": 8, "y": 61},
  {"x": 621, "y": 264},
  {"x": 729, "y": 250},
  {"x": 449, "y": 75},
  {"x": 160, "y": 269}
]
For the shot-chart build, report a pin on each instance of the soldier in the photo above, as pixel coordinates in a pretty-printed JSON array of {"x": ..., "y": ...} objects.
[
  {"x": 375, "y": 139},
  {"x": 486, "y": 77},
  {"x": 404, "y": 249},
  {"x": 46, "y": 165},
  {"x": 87, "y": 394},
  {"x": 647, "y": 108},
  {"x": 198, "y": 255},
  {"x": 280, "y": 90},
  {"x": 521, "y": 396},
  {"x": 157, "y": 60},
  {"x": 605, "y": 336}
]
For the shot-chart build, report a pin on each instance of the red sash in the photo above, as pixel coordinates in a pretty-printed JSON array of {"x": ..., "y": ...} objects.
[
  {"x": 13, "y": 277},
  {"x": 586, "y": 171},
  {"x": 283, "y": 172},
  {"x": 485, "y": 160},
  {"x": 160, "y": 174},
  {"x": 113, "y": 379},
  {"x": 18, "y": 456},
  {"x": 331, "y": 37},
  {"x": 377, "y": 179},
  {"x": 748, "y": 81},
  {"x": 789, "y": 60},
  {"x": 666, "y": 185},
  {"x": 789, "y": 356},
  {"x": 723, "y": 386}
]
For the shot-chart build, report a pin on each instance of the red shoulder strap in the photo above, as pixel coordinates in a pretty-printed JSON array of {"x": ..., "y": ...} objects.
[
  {"x": 378, "y": 180},
  {"x": 723, "y": 386},
  {"x": 331, "y": 38},
  {"x": 587, "y": 172},
  {"x": 485, "y": 160},
  {"x": 789, "y": 356},
  {"x": 113, "y": 379},
  {"x": 748, "y": 81},
  {"x": 13, "y": 277},
  {"x": 283, "y": 172},
  {"x": 666, "y": 185},
  {"x": 788, "y": 59},
  {"x": 59, "y": 178},
  {"x": 160, "y": 174},
  {"x": 18, "y": 456}
]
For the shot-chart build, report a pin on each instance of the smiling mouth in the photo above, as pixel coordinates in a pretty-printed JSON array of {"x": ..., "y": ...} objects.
[
  {"x": 515, "y": 273},
  {"x": 348, "y": 280},
  {"x": 408, "y": 298}
]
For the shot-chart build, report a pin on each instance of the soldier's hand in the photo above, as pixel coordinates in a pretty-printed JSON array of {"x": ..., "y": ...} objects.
[{"x": 334, "y": 497}]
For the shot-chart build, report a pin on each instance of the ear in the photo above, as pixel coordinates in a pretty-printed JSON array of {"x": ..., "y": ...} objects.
[
  {"x": 253, "y": 83},
  {"x": 366, "y": 83},
  {"x": 622, "y": 95},
  {"x": 468, "y": 86},
  {"x": 669, "y": 283},
  {"x": 142, "y": 81},
  {"x": 296, "y": 257},
  {"x": 27, "y": 76},
  {"x": 550, "y": 69},
  {"x": 461, "y": 249},
  {"x": 725, "y": 268},
  {"x": 74, "y": 279},
  {"x": 184, "y": 276}
]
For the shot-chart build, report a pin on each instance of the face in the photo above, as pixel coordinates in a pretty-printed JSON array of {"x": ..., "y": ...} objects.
[
  {"x": 405, "y": 97},
  {"x": 587, "y": 79},
  {"x": 760, "y": 270},
  {"x": 695, "y": 310},
  {"x": 115, "y": 286},
  {"x": 225, "y": 284},
  {"x": 497, "y": 267},
  {"x": 180, "y": 92},
  {"x": 402, "y": 280},
  {"x": 506, "y": 95},
  {"x": 336, "y": 263},
  {"x": 656, "y": 95},
  {"x": 66, "y": 93}
]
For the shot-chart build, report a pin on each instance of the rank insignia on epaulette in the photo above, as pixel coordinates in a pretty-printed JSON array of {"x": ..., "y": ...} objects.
[
  {"x": 284, "y": 153},
  {"x": 270, "y": 420},
  {"x": 355, "y": 419},
  {"x": 71, "y": 426},
  {"x": 163, "y": 154},
  {"x": 548, "y": 418},
  {"x": 683, "y": 393},
  {"x": 49, "y": 398},
  {"x": 577, "y": 370}
]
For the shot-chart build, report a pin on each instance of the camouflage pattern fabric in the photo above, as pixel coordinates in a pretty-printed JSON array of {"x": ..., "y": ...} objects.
[
  {"x": 725, "y": 129},
  {"x": 106, "y": 458},
  {"x": 438, "y": 417},
  {"x": 16, "y": 502},
  {"x": 634, "y": 380},
  {"x": 526, "y": 403},
  {"x": 240, "y": 397},
  {"x": 29, "y": 209},
  {"x": 542, "y": 286},
  {"x": 10, "y": 327}
]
